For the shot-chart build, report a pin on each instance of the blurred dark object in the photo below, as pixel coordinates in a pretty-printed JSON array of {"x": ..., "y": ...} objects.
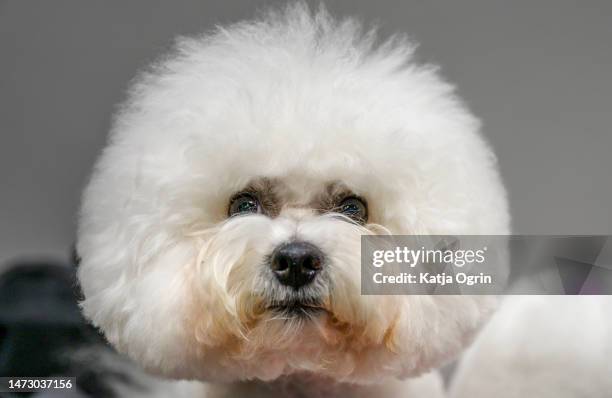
[
  {"x": 41, "y": 326},
  {"x": 39, "y": 317}
]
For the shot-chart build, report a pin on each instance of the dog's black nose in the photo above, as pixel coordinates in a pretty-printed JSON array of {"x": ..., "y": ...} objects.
[{"x": 296, "y": 264}]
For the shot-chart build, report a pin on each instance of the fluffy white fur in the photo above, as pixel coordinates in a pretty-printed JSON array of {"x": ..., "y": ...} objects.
[
  {"x": 305, "y": 100},
  {"x": 541, "y": 346}
]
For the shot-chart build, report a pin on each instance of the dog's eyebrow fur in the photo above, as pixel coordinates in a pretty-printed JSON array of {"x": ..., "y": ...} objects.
[{"x": 334, "y": 193}]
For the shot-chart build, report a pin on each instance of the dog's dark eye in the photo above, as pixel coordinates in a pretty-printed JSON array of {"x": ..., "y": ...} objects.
[
  {"x": 244, "y": 204},
  {"x": 355, "y": 208}
]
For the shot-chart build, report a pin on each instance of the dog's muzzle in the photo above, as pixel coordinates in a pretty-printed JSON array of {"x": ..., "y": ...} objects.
[{"x": 296, "y": 264}]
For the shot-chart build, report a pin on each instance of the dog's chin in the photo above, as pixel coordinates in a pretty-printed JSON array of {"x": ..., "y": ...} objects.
[{"x": 297, "y": 308}]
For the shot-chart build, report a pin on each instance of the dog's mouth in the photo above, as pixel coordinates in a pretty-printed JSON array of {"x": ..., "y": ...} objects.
[{"x": 297, "y": 308}]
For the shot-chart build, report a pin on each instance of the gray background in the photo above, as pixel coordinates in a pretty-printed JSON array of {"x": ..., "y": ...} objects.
[{"x": 538, "y": 73}]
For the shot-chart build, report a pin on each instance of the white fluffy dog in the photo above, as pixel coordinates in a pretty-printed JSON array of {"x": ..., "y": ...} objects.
[{"x": 220, "y": 232}]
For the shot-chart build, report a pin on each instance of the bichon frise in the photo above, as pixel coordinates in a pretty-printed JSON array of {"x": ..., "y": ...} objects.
[{"x": 220, "y": 231}]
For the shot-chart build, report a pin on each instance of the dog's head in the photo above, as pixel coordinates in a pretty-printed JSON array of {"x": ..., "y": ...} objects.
[{"x": 220, "y": 232}]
